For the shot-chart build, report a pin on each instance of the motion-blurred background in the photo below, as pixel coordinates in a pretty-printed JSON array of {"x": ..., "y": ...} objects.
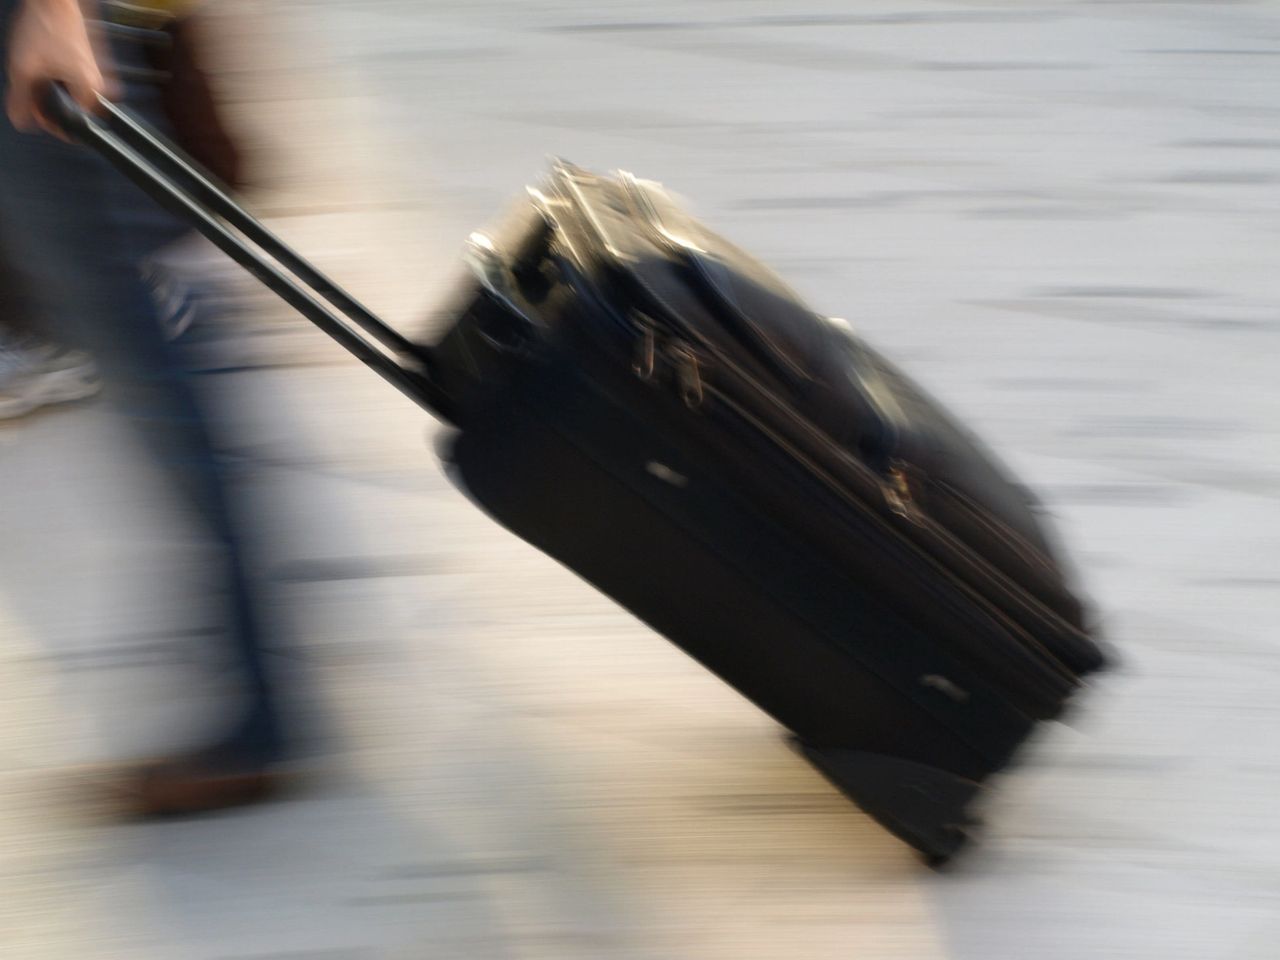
[{"x": 1060, "y": 216}]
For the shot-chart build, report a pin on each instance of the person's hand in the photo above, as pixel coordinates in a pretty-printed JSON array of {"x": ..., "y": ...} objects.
[{"x": 48, "y": 42}]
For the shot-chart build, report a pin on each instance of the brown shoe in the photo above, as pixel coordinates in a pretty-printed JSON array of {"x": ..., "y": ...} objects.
[{"x": 187, "y": 786}]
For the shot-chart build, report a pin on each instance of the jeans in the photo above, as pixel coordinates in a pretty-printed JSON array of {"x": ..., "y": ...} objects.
[
  {"x": 16, "y": 316},
  {"x": 79, "y": 232}
]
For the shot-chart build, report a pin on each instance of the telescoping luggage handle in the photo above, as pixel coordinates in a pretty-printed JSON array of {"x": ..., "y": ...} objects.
[{"x": 176, "y": 183}]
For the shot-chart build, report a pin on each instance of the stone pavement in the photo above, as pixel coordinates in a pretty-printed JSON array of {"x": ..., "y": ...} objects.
[{"x": 1060, "y": 216}]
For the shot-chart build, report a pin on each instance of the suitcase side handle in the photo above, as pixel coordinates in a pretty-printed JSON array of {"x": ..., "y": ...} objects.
[{"x": 174, "y": 181}]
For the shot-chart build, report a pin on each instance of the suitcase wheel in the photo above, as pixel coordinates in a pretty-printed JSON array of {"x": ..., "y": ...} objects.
[{"x": 924, "y": 806}]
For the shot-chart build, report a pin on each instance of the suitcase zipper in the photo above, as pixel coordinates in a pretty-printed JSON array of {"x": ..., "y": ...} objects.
[
  {"x": 981, "y": 605},
  {"x": 1068, "y": 635},
  {"x": 891, "y": 491},
  {"x": 1018, "y": 544},
  {"x": 895, "y": 489},
  {"x": 899, "y": 497}
]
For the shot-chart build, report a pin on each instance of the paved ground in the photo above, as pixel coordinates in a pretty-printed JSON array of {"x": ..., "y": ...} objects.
[{"x": 1061, "y": 216}]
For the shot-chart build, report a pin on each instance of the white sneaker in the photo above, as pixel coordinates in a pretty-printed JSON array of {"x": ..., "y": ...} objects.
[{"x": 35, "y": 374}]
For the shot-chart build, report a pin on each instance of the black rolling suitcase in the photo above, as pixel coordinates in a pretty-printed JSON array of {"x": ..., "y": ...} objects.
[{"x": 656, "y": 410}]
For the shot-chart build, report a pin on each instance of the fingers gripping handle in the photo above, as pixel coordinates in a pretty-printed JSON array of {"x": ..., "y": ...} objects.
[
  {"x": 60, "y": 107},
  {"x": 177, "y": 184}
]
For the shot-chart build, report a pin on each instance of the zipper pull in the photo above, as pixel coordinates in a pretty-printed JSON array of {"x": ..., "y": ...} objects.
[
  {"x": 689, "y": 376},
  {"x": 898, "y": 494},
  {"x": 643, "y": 365}
]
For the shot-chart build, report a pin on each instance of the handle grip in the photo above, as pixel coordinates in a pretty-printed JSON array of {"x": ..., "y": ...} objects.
[
  {"x": 177, "y": 183},
  {"x": 60, "y": 107}
]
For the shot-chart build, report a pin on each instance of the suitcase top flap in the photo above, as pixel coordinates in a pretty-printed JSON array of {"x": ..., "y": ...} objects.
[
  {"x": 691, "y": 270},
  {"x": 703, "y": 282},
  {"x": 857, "y": 398}
]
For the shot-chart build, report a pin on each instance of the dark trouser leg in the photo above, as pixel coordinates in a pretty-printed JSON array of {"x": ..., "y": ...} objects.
[
  {"x": 16, "y": 307},
  {"x": 78, "y": 230}
]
